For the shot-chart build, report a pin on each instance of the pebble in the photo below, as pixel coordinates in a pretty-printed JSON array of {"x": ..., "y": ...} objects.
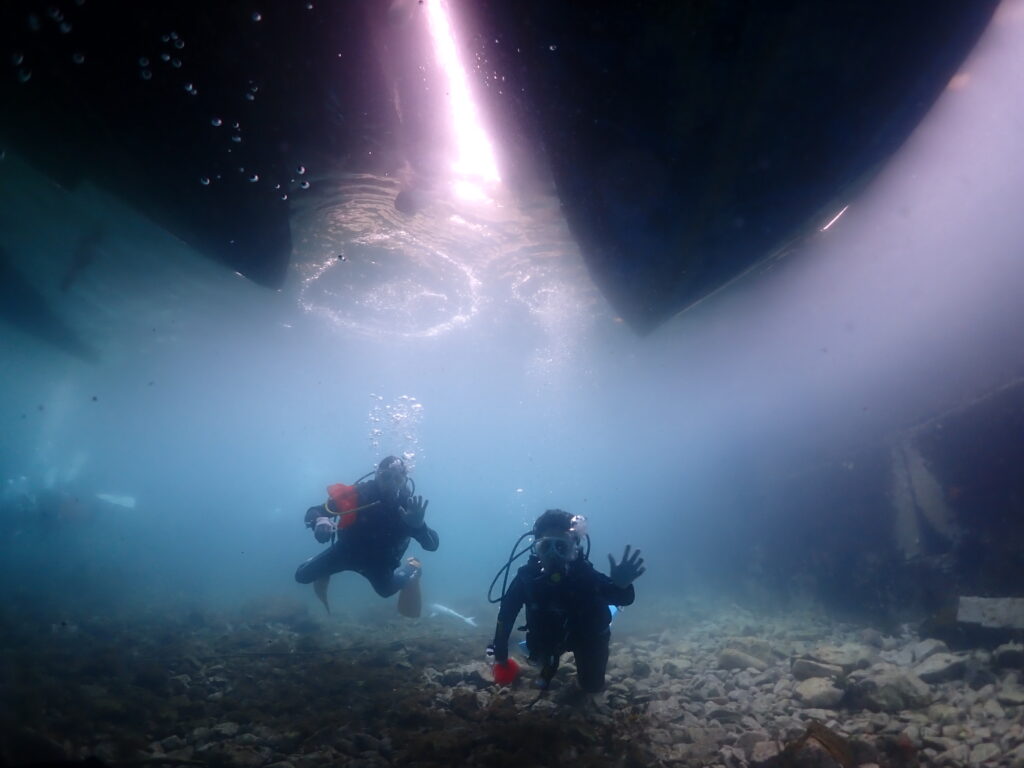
[
  {"x": 227, "y": 729},
  {"x": 982, "y": 752}
]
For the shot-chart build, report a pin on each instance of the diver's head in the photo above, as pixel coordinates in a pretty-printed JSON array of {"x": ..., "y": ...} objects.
[
  {"x": 557, "y": 539},
  {"x": 391, "y": 476}
]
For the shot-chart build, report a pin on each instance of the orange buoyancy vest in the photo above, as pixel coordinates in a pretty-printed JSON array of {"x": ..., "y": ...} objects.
[{"x": 346, "y": 500}]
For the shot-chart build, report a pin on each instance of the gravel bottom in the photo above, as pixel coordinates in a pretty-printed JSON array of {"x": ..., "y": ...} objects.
[{"x": 277, "y": 685}]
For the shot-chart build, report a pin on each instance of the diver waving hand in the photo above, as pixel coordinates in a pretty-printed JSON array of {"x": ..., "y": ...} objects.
[
  {"x": 569, "y": 604},
  {"x": 369, "y": 525}
]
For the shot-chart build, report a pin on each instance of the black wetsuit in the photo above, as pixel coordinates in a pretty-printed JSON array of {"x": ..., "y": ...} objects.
[
  {"x": 373, "y": 545},
  {"x": 564, "y": 612}
]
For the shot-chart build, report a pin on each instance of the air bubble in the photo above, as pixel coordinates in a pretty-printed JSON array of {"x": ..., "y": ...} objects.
[
  {"x": 552, "y": 47},
  {"x": 250, "y": 97},
  {"x": 143, "y": 61},
  {"x": 257, "y": 16},
  {"x": 165, "y": 57},
  {"x": 300, "y": 170},
  {"x": 179, "y": 44},
  {"x": 284, "y": 196},
  {"x": 65, "y": 27},
  {"x": 205, "y": 181},
  {"x": 235, "y": 125},
  {"x": 304, "y": 184},
  {"x": 216, "y": 122},
  {"x": 78, "y": 58},
  {"x": 176, "y": 63},
  {"x": 17, "y": 58},
  {"x": 33, "y": 22},
  {"x": 174, "y": 35},
  {"x": 146, "y": 74},
  {"x": 254, "y": 178},
  {"x": 54, "y": 13},
  {"x": 236, "y": 138},
  {"x": 165, "y": 38},
  {"x": 24, "y": 75},
  {"x": 309, "y": 6},
  {"x": 189, "y": 87}
]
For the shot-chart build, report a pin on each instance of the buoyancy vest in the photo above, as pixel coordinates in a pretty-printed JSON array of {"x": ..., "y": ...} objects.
[{"x": 345, "y": 500}]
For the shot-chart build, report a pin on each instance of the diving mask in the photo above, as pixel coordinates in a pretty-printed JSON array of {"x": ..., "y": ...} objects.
[{"x": 557, "y": 548}]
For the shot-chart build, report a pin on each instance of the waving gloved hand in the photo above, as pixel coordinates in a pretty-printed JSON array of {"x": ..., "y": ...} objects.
[
  {"x": 629, "y": 569},
  {"x": 415, "y": 511}
]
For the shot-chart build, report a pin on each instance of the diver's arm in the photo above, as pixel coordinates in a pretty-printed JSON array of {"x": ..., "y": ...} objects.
[
  {"x": 511, "y": 604},
  {"x": 612, "y": 594},
  {"x": 426, "y": 536}
]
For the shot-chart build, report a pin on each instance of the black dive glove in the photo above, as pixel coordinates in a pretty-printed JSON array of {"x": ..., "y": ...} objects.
[
  {"x": 628, "y": 570},
  {"x": 414, "y": 512},
  {"x": 312, "y": 514}
]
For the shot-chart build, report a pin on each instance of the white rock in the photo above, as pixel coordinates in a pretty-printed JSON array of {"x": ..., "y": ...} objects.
[
  {"x": 993, "y": 710},
  {"x": 1011, "y": 697},
  {"x": 956, "y": 756},
  {"x": 926, "y": 648},
  {"x": 849, "y": 656},
  {"x": 943, "y": 714},
  {"x": 804, "y": 669},
  {"x": 730, "y": 658},
  {"x": 172, "y": 742},
  {"x": 226, "y": 729},
  {"x": 983, "y": 752},
  {"x": 818, "y": 692},
  {"x": 887, "y": 688},
  {"x": 940, "y": 668}
]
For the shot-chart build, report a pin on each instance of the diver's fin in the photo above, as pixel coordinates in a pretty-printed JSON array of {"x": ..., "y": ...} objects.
[
  {"x": 410, "y": 599},
  {"x": 320, "y": 588}
]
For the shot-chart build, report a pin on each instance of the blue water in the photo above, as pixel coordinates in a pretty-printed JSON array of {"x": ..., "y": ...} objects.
[{"x": 472, "y": 341}]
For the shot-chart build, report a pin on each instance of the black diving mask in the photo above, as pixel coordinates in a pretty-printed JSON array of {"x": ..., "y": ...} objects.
[{"x": 560, "y": 549}]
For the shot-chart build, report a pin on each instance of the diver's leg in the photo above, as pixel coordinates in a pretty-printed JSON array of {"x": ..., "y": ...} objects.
[
  {"x": 592, "y": 662},
  {"x": 387, "y": 582},
  {"x": 410, "y": 598},
  {"x": 331, "y": 560}
]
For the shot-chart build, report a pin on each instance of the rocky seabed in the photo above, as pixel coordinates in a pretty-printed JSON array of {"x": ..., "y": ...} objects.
[{"x": 275, "y": 688}]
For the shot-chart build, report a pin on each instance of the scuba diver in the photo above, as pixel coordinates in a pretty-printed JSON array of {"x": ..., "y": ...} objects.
[
  {"x": 568, "y": 603},
  {"x": 369, "y": 525}
]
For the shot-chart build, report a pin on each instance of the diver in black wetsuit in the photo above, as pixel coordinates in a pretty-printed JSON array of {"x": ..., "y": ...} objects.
[
  {"x": 566, "y": 601},
  {"x": 371, "y": 524}
]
